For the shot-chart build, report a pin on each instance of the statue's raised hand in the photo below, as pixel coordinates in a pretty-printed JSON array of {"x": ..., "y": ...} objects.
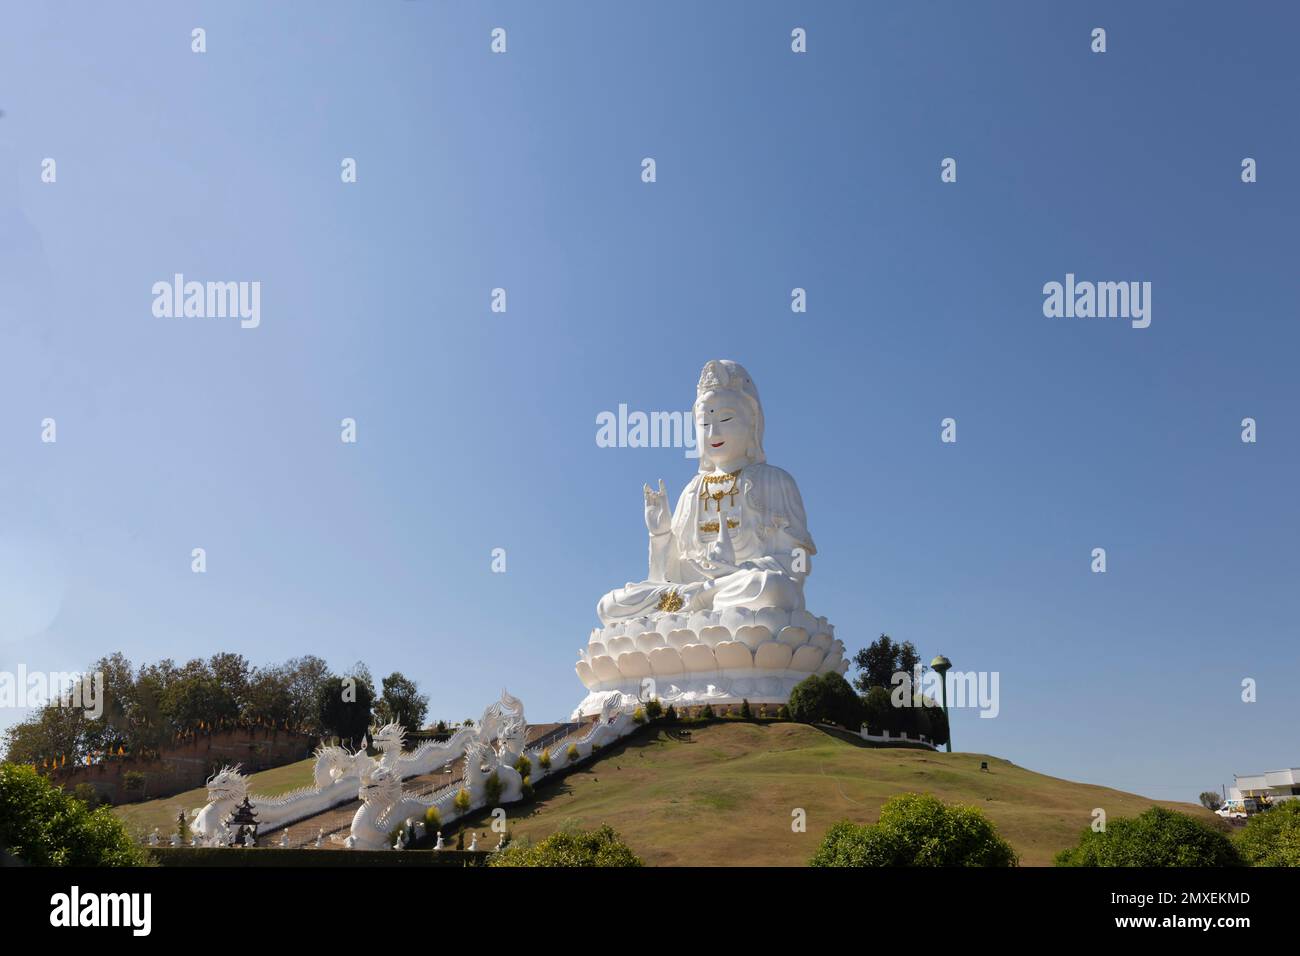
[{"x": 658, "y": 513}]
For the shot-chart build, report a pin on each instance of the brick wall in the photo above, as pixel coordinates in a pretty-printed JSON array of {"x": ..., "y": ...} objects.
[{"x": 189, "y": 764}]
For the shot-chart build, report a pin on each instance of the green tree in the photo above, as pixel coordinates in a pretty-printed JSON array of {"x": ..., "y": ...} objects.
[
  {"x": 43, "y": 826},
  {"x": 232, "y": 672},
  {"x": 343, "y": 708},
  {"x": 1210, "y": 800},
  {"x": 269, "y": 697},
  {"x": 1158, "y": 837},
  {"x": 401, "y": 702},
  {"x": 306, "y": 676},
  {"x": 600, "y": 847},
  {"x": 826, "y": 698},
  {"x": 1272, "y": 838},
  {"x": 877, "y": 663},
  {"x": 879, "y": 712},
  {"x": 917, "y": 830}
]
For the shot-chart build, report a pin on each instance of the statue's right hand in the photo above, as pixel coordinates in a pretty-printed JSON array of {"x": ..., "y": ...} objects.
[{"x": 658, "y": 513}]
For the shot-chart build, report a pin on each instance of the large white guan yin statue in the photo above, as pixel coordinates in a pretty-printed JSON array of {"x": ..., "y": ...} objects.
[{"x": 720, "y": 616}]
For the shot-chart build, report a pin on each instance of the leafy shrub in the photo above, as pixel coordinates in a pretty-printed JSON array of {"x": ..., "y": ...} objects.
[
  {"x": 745, "y": 712},
  {"x": 783, "y": 713},
  {"x": 133, "y": 781},
  {"x": 638, "y": 715},
  {"x": 653, "y": 709},
  {"x": 492, "y": 789},
  {"x": 433, "y": 819},
  {"x": 1158, "y": 837},
  {"x": 43, "y": 826},
  {"x": 878, "y": 712},
  {"x": 462, "y": 801},
  {"x": 544, "y": 759},
  {"x": 527, "y": 789},
  {"x": 706, "y": 712},
  {"x": 601, "y": 847},
  {"x": 670, "y": 713},
  {"x": 826, "y": 698},
  {"x": 917, "y": 830},
  {"x": 1210, "y": 800},
  {"x": 88, "y": 795},
  {"x": 572, "y": 753},
  {"x": 524, "y": 766},
  {"x": 1272, "y": 838}
]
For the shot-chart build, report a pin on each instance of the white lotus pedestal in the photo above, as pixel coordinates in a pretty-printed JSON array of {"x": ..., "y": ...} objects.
[{"x": 708, "y": 657}]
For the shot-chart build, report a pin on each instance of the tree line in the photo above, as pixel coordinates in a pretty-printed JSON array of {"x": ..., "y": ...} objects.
[
  {"x": 874, "y": 698},
  {"x": 154, "y": 706}
]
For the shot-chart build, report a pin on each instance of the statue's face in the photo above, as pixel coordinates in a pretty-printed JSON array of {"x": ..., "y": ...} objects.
[{"x": 724, "y": 427}]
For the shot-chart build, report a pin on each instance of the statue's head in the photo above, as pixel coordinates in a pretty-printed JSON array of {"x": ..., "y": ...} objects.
[{"x": 728, "y": 417}]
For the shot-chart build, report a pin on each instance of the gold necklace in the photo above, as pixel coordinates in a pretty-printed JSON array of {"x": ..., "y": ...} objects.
[{"x": 716, "y": 496}]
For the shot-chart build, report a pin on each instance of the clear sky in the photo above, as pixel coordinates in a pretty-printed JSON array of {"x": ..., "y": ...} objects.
[{"x": 476, "y": 430}]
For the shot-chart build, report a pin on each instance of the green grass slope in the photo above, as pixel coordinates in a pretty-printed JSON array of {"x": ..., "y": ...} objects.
[
  {"x": 141, "y": 818},
  {"x": 727, "y": 797}
]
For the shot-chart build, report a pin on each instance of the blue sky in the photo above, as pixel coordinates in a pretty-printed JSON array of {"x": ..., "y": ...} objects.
[{"x": 775, "y": 170}]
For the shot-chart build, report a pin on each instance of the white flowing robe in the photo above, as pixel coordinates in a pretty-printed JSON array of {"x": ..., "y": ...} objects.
[{"x": 772, "y": 524}]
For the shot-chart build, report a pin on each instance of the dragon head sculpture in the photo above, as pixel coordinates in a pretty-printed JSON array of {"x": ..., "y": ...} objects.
[
  {"x": 227, "y": 784},
  {"x": 380, "y": 785}
]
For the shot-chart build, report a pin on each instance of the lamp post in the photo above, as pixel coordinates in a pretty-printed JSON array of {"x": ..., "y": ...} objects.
[{"x": 940, "y": 666}]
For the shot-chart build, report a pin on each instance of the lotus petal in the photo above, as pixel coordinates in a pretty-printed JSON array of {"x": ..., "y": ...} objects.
[
  {"x": 794, "y": 636},
  {"x": 621, "y": 645},
  {"x": 665, "y": 662},
  {"x": 714, "y": 634},
  {"x": 773, "y": 655},
  {"x": 803, "y": 619},
  {"x": 734, "y": 618},
  {"x": 822, "y": 640},
  {"x": 614, "y": 630},
  {"x": 649, "y": 640},
  {"x": 671, "y": 622},
  {"x": 772, "y": 618},
  {"x": 753, "y": 635},
  {"x": 595, "y": 649},
  {"x": 634, "y": 665},
  {"x": 698, "y": 657},
  {"x": 831, "y": 663},
  {"x": 586, "y": 674},
  {"x": 680, "y": 638},
  {"x": 698, "y": 620},
  {"x": 606, "y": 668},
  {"x": 808, "y": 658},
  {"x": 733, "y": 654}
]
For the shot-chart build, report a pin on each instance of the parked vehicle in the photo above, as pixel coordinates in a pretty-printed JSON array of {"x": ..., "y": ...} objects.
[{"x": 1238, "y": 809}]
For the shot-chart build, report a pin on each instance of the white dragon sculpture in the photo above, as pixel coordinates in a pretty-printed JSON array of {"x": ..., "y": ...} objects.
[
  {"x": 226, "y": 791},
  {"x": 494, "y": 746}
]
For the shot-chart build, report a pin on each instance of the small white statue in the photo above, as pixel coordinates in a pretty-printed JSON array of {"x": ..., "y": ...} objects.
[
  {"x": 284, "y": 838},
  {"x": 248, "y": 838},
  {"x": 419, "y": 830},
  {"x": 501, "y": 844},
  {"x": 439, "y": 845},
  {"x": 473, "y": 841},
  {"x": 320, "y": 837},
  {"x": 153, "y": 837},
  {"x": 176, "y": 839}
]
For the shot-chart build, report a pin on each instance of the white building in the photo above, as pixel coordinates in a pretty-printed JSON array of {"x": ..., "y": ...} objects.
[{"x": 1274, "y": 784}]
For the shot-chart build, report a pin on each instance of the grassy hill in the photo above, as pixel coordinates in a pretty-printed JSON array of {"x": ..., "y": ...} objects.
[
  {"x": 726, "y": 797},
  {"x": 141, "y": 818}
]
